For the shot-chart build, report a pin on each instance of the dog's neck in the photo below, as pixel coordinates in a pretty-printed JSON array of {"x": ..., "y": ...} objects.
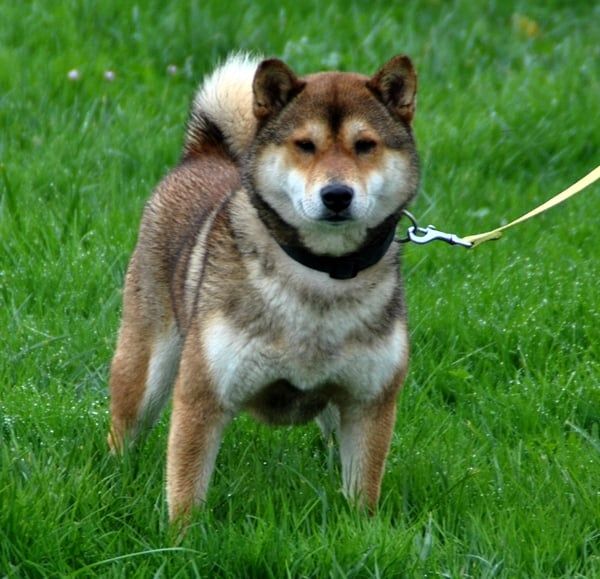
[
  {"x": 375, "y": 245},
  {"x": 345, "y": 266}
]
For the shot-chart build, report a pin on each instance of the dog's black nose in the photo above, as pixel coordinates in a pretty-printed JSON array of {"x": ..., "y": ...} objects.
[{"x": 337, "y": 197}]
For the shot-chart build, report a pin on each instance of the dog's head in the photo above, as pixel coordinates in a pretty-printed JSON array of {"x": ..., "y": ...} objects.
[{"x": 334, "y": 156}]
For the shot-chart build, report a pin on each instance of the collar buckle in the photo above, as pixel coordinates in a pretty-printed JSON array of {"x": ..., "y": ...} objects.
[{"x": 423, "y": 235}]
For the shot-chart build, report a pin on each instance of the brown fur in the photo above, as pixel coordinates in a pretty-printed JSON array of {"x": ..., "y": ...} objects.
[
  {"x": 196, "y": 426},
  {"x": 209, "y": 289}
]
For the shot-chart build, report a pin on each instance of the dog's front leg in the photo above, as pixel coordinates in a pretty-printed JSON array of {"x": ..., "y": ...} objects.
[
  {"x": 197, "y": 424},
  {"x": 364, "y": 437}
]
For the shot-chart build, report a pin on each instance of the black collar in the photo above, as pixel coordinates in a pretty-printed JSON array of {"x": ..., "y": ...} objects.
[{"x": 345, "y": 266}]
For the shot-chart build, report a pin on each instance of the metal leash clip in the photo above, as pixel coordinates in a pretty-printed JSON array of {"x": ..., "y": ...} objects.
[{"x": 423, "y": 235}]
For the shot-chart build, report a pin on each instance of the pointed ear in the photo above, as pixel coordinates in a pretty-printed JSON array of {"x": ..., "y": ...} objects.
[
  {"x": 275, "y": 85},
  {"x": 395, "y": 85}
]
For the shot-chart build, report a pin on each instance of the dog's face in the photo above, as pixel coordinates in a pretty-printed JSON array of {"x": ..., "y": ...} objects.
[{"x": 334, "y": 154}]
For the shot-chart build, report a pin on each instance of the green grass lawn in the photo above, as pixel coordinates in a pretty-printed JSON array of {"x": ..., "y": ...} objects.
[{"x": 494, "y": 469}]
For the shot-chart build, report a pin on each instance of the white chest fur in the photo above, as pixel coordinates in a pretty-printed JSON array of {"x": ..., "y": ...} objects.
[{"x": 309, "y": 347}]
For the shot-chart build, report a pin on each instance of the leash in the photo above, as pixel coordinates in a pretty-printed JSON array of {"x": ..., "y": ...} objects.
[{"x": 423, "y": 235}]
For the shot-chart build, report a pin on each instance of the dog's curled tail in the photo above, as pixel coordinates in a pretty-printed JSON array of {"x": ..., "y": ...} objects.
[{"x": 222, "y": 111}]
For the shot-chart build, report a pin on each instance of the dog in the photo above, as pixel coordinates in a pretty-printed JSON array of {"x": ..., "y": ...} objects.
[{"x": 266, "y": 275}]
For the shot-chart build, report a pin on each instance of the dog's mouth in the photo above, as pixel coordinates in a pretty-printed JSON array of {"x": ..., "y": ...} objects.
[{"x": 337, "y": 218}]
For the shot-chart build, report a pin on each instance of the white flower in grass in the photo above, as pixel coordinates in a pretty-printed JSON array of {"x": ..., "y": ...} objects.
[
  {"x": 171, "y": 70},
  {"x": 74, "y": 75},
  {"x": 109, "y": 75}
]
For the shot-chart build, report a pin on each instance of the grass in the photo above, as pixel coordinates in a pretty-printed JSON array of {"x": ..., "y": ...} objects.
[{"x": 495, "y": 464}]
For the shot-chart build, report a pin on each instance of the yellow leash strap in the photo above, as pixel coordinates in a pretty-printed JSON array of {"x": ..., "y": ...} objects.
[{"x": 590, "y": 178}]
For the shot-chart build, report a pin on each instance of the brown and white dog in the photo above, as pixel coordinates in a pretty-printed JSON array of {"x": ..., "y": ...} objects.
[{"x": 266, "y": 277}]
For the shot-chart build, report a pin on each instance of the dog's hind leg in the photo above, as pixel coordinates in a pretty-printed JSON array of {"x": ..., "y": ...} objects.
[
  {"x": 197, "y": 424},
  {"x": 143, "y": 368}
]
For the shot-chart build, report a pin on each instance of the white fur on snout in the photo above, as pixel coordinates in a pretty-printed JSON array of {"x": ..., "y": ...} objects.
[
  {"x": 286, "y": 189},
  {"x": 306, "y": 200},
  {"x": 283, "y": 188},
  {"x": 386, "y": 188}
]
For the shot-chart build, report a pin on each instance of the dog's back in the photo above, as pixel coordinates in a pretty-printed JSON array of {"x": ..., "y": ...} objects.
[{"x": 219, "y": 127}]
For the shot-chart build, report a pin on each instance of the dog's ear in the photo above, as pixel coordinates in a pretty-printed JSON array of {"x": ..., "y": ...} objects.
[
  {"x": 395, "y": 85},
  {"x": 275, "y": 85}
]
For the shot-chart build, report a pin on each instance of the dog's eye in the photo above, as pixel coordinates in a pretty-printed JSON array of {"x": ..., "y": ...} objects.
[
  {"x": 305, "y": 145},
  {"x": 364, "y": 146}
]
